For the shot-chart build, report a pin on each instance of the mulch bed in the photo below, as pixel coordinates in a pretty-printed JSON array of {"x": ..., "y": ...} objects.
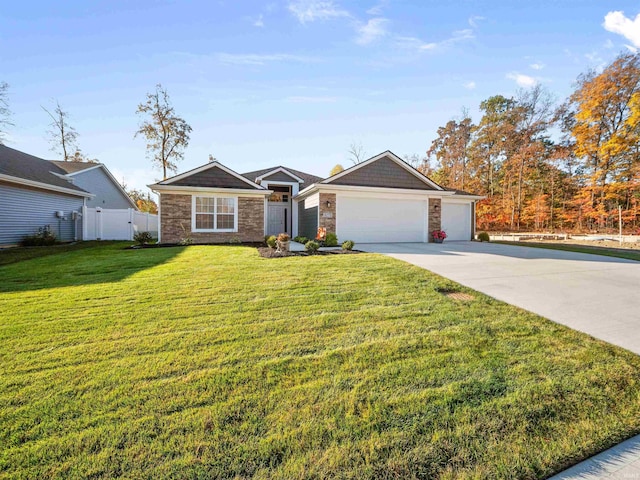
[{"x": 267, "y": 252}]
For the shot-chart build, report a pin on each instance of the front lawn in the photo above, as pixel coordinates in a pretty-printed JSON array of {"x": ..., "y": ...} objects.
[{"x": 211, "y": 362}]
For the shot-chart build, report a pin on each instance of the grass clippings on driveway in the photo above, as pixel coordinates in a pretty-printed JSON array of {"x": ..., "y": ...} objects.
[{"x": 211, "y": 362}]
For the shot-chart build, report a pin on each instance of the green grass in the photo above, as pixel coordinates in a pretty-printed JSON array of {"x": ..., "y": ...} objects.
[
  {"x": 20, "y": 254},
  {"x": 210, "y": 362},
  {"x": 608, "y": 252}
]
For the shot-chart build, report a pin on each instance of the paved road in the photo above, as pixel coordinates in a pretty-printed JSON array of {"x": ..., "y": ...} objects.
[
  {"x": 595, "y": 294},
  {"x": 591, "y": 293}
]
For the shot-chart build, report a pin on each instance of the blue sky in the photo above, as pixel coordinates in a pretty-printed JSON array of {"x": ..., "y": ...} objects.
[{"x": 290, "y": 82}]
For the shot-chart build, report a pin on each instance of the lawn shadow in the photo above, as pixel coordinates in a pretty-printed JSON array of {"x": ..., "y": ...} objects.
[{"x": 103, "y": 263}]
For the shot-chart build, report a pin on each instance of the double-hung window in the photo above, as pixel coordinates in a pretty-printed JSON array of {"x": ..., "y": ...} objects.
[{"x": 215, "y": 214}]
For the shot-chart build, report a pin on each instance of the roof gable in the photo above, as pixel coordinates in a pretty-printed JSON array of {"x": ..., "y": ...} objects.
[
  {"x": 280, "y": 174},
  {"x": 214, "y": 175},
  {"x": 386, "y": 170},
  {"x": 307, "y": 178}
]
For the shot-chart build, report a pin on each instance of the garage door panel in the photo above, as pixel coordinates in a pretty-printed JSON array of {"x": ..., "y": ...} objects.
[
  {"x": 373, "y": 220},
  {"x": 456, "y": 220}
]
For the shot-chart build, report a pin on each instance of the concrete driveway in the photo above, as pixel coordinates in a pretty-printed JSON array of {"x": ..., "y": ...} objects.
[{"x": 594, "y": 294}]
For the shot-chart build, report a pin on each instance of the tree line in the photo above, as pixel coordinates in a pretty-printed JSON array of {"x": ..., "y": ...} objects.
[{"x": 546, "y": 166}]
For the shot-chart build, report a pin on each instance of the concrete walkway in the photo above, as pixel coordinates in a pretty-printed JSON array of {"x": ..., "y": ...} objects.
[{"x": 595, "y": 294}]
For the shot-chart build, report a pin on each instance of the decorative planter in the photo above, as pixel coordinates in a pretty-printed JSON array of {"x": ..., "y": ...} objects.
[
  {"x": 283, "y": 246},
  {"x": 438, "y": 240}
]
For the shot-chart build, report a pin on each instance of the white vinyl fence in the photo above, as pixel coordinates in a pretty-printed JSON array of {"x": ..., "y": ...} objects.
[{"x": 115, "y": 224}]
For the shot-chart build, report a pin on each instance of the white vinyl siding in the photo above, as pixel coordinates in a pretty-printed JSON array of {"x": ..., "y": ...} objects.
[{"x": 214, "y": 214}]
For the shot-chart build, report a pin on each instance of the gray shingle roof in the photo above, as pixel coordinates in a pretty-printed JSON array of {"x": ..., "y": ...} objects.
[
  {"x": 22, "y": 165},
  {"x": 459, "y": 192},
  {"x": 73, "y": 167},
  {"x": 307, "y": 177}
]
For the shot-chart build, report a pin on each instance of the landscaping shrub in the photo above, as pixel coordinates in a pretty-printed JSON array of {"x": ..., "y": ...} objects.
[
  {"x": 271, "y": 241},
  {"x": 331, "y": 240},
  {"x": 348, "y": 245},
  {"x": 311, "y": 246},
  {"x": 44, "y": 236},
  {"x": 283, "y": 237},
  {"x": 483, "y": 237},
  {"x": 142, "y": 238},
  {"x": 300, "y": 239}
]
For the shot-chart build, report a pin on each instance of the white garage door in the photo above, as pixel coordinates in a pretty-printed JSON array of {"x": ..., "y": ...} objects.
[
  {"x": 373, "y": 220},
  {"x": 456, "y": 220}
]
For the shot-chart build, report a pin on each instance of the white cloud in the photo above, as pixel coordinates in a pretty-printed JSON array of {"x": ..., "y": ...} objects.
[
  {"x": 469, "y": 85},
  {"x": 473, "y": 20},
  {"x": 522, "y": 80},
  {"x": 616, "y": 22},
  {"x": 537, "y": 66},
  {"x": 260, "y": 59},
  {"x": 312, "y": 10},
  {"x": 608, "y": 44},
  {"x": 372, "y": 30},
  {"x": 417, "y": 44},
  {"x": 258, "y": 22},
  {"x": 377, "y": 8}
]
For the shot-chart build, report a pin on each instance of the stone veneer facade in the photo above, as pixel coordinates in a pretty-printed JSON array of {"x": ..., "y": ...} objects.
[
  {"x": 327, "y": 214},
  {"x": 435, "y": 211},
  {"x": 175, "y": 221}
]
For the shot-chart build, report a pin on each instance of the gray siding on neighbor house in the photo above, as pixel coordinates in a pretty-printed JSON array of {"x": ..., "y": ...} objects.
[
  {"x": 107, "y": 195},
  {"x": 307, "y": 221},
  {"x": 212, "y": 177},
  {"x": 23, "y": 210},
  {"x": 382, "y": 173}
]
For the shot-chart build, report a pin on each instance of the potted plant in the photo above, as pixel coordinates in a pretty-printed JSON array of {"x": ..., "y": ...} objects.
[
  {"x": 283, "y": 241},
  {"x": 438, "y": 236}
]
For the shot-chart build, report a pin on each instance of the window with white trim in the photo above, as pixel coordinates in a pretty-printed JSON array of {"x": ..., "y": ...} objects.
[{"x": 215, "y": 214}]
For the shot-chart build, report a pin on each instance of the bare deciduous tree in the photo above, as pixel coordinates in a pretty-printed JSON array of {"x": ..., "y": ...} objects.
[
  {"x": 166, "y": 133},
  {"x": 62, "y": 136},
  {"x": 5, "y": 113},
  {"x": 356, "y": 153}
]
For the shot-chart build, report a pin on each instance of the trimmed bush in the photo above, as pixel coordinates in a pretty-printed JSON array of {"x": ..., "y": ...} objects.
[
  {"x": 483, "y": 237},
  {"x": 331, "y": 240},
  {"x": 142, "y": 238},
  {"x": 271, "y": 241},
  {"x": 348, "y": 245},
  {"x": 300, "y": 239},
  {"x": 43, "y": 237},
  {"x": 311, "y": 246}
]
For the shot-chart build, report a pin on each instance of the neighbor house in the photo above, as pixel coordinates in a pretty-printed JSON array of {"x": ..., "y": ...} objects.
[
  {"x": 97, "y": 179},
  {"x": 35, "y": 193},
  {"x": 382, "y": 199}
]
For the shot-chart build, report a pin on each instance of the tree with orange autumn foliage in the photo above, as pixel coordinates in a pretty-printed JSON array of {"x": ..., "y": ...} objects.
[{"x": 533, "y": 181}]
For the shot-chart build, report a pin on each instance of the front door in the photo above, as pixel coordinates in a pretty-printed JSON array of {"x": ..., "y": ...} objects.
[{"x": 276, "y": 219}]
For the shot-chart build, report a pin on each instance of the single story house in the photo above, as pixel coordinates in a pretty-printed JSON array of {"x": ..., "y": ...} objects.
[
  {"x": 382, "y": 199},
  {"x": 36, "y": 193}
]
